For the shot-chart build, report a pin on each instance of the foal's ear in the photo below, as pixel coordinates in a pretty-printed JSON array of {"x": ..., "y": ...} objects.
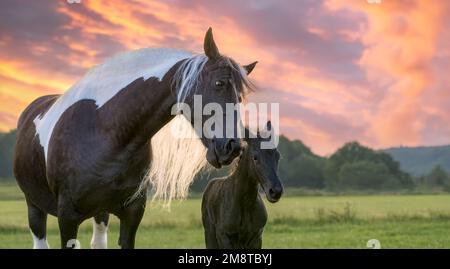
[
  {"x": 209, "y": 45},
  {"x": 249, "y": 67}
]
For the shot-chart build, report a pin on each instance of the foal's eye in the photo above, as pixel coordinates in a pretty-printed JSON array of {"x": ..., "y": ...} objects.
[{"x": 220, "y": 83}]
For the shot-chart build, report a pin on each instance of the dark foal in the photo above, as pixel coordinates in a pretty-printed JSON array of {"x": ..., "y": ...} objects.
[{"x": 233, "y": 212}]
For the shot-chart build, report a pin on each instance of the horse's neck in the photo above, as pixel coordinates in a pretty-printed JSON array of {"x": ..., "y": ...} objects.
[
  {"x": 244, "y": 179},
  {"x": 138, "y": 111}
]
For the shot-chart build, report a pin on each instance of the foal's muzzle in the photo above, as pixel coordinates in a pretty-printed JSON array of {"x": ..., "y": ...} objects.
[{"x": 273, "y": 194}]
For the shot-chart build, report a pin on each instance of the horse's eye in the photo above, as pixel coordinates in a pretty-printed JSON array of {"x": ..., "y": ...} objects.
[{"x": 220, "y": 83}]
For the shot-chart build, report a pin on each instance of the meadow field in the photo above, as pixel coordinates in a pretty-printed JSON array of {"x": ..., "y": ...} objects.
[{"x": 344, "y": 221}]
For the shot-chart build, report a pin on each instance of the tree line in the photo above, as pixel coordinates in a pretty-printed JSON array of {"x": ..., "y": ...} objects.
[{"x": 351, "y": 167}]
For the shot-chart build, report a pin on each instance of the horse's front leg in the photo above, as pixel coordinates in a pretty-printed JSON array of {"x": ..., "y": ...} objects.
[
  {"x": 130, "y": 218},
  {"x": 100, "y": 231}
]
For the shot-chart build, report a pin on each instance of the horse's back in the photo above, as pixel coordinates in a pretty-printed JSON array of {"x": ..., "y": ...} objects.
[{"x": 29, "y": 159}]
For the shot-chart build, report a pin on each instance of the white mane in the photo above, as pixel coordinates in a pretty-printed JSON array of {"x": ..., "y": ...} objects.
[{"x": 175, "y": 162}]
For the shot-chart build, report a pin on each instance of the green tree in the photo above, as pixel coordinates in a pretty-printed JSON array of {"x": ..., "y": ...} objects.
[
  {"x": 299, "y": 166},
  {"x": 438, "y": 177},
  {"x": 363, "y": 175},
  {"x": 346, "y": 169}
]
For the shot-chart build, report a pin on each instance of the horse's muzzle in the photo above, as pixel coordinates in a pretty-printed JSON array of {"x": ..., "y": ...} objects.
[
  {"x": 224, "y": 151},
  {"x": 274, "y": 194}
]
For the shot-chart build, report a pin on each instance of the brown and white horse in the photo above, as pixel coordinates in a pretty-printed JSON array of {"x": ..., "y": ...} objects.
[{"x": 84, "y": 153}]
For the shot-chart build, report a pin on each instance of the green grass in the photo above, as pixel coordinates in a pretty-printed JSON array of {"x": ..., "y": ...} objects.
[{"x": 397, "y": 221}]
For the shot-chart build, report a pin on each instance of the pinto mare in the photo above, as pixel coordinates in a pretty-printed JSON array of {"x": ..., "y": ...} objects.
[{"x": 84, "y": 153}]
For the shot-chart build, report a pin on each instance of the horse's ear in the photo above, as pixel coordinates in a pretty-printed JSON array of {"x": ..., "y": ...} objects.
[
  {"x": 209, "y": 45},
  {"x": 249, "y": 68}
]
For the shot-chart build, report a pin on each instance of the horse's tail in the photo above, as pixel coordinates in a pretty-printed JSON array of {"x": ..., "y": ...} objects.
[{"x": 177, "y": 156}]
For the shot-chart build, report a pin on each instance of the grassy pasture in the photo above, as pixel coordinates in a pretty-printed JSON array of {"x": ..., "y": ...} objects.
[{"x": 397, "y": 221}]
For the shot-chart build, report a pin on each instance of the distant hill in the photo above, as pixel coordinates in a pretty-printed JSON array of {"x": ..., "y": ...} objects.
[{"x": 420, "y": 160}]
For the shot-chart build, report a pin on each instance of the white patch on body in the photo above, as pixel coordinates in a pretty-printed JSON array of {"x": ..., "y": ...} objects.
[
  {"x": 39, "y": 243},
  {"x": 99, "y": 236},
  {"x": 104, "y": 81}
]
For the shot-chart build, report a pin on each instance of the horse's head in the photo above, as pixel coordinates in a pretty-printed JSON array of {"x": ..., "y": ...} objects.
[
  {"x": 222, "y": 84},
  {"x": 264, "y": 166}
]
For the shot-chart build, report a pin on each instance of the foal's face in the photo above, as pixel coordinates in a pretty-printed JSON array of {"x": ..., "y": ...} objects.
[{"x": 265, "y": 165}]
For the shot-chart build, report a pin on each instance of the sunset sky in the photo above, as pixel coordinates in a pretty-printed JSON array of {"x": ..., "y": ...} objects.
[{"x": 341, "y": 70}]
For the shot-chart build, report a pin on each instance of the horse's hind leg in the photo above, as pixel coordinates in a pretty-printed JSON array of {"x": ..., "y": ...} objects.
[
  {"x": 100, "y": 234},
  {"x": 37, "y": 220}
]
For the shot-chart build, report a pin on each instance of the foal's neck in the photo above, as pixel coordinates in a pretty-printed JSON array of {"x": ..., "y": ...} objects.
[{"x": 244, "y": 179}]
